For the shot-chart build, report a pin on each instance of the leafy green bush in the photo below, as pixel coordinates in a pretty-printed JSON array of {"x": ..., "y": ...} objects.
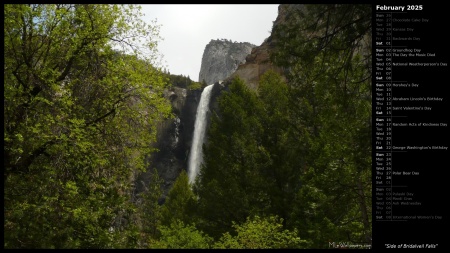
[
  {"x": 260, "y": 233},
  {"x": 181, "y": 236}
]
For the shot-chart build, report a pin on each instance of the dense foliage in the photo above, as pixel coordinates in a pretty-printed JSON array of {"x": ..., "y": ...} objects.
[
  {"x": 328, "y": 65},
  {"x": 80, "y": 116},
  {"x": 257, "y": 233}
]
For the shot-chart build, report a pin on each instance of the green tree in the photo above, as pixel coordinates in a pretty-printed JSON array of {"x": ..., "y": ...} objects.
[
  {"x": 195, "y": 86},
  {"x": 180, "y": 81},
  {"x": 181, "y": 236},
  {"x": 180, "y": 202},
  {"x": 82, "y": 100},
  {"x": 260, "y": 233},
  {"x": 204, "y": 84},
  {"x": 282, "y": 173},
  {"x": 325, "y": 51},
  {"x": 150, "y": 212},
  {"x": 230, "y": 186},
  {"x": 248, "y": 155}
]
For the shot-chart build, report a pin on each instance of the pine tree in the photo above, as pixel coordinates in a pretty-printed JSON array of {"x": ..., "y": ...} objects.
[
  {"x": 229, "y": 184},
  {"x": 150, "y": 211},
  {"x": 180, "y": 202}
]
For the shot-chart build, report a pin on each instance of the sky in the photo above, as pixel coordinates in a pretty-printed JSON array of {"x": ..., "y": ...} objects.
[{"x": 187, "y": 29}]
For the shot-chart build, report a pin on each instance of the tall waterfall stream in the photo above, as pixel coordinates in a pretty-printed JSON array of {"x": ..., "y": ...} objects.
[{"x": 196, "y": 154}]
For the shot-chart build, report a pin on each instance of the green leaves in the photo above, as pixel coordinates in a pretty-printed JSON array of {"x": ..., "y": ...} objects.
[
  {"x": 180, "y": 202},
  {"x": 181, "y": 236},
  {"x": 260, "y": 233},
  {"x": 329, "y": 83},
  {"x": 80, "y": 118},
  {"x": 247, "y": 155}
]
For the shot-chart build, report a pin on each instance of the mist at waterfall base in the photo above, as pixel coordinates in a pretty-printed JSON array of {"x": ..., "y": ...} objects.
[{"x": 196, "y": 154}]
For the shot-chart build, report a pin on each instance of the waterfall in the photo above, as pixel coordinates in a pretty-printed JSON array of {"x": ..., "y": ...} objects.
[{"x": 196, "y": 154}]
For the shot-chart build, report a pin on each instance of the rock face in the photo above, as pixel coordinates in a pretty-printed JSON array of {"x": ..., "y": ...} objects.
[
  {"x": 257, "y": 63},
  {"x": 173, "y": 140},
  {"x": 221, "y": 58}
]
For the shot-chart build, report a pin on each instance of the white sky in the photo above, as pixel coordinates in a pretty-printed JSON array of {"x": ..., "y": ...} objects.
[{"x": 187, "y": 29}]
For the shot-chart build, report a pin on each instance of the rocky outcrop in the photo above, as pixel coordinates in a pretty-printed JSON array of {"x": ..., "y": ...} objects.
[
  {"x": 221, "y": 58},
  {"x": 258, "y": 61}
]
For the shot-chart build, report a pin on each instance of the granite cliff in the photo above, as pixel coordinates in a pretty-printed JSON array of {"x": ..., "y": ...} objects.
[{"x": 221, "y": 58}]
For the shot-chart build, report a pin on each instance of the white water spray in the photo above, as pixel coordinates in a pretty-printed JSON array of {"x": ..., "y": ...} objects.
[{"x": 196, "y": 154}]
